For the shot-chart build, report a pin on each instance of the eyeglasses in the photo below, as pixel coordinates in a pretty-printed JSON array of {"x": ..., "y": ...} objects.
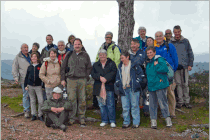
[
  {"x": 167, "y": 33},
  {"x": 109, "y": 37}
]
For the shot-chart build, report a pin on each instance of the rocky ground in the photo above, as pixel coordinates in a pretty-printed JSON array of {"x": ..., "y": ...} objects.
[{"x": 19, "y": 128}]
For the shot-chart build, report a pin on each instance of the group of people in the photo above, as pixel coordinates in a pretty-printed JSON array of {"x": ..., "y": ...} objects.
[{"x": 127, "y": 74}]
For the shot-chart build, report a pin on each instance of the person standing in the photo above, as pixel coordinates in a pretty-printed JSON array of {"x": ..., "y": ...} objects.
[
  {"x": 128, "y": 78},
  {"x": 157, "y": 85},
  {"x": 50, "y": 72},
  {"x": 61, "y": 51},
  {"x": 35, "y": 48},
  {"x": 168, "y": 35},
  {"x": 104, "y": 73},
  {"x": 113, "y": 52},
  {"x": 142, "y": 37},
  {"x": 70, "y": 44},
  {"x": 79, "y": 65},
  {"x": 33, "y": 85},
  {"x": 168, "y": 51},
  {"x": 19, "y": 69},
  {"x": 186, "y": 58},
  {"x": 44, "y": 53}
]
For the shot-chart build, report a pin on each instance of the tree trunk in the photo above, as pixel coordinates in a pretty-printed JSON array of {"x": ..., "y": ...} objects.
[{"x": 126, "y": 23}]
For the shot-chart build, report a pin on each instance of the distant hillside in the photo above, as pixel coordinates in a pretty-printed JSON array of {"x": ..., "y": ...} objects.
[{"x": 6, "y": 68}]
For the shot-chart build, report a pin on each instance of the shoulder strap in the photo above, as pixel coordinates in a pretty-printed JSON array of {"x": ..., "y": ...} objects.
[
  {"x": 46, "y": 63},
  {"x": 167, "y": 46}
]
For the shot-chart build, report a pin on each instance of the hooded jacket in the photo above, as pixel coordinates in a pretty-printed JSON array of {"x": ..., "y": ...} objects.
[
  {"x": 136, "y": 75},
  {"x": 19, "y": 67},
  {"x": 157, "y": 74},
  {"x": 184, "y": 51},
  {"x": 50, "y": 75},
  {"x": 170, "y": 56},
  {"x": 113, "y": 55}
]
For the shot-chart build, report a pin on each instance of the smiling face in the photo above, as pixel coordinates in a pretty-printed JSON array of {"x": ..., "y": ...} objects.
[
  {"x": 108, "y": 39},
  {"x": 34, "y": 48},
  {"x": 150, "y": 42},
  {"x": 150, "y": 54},
  {"x": 24, "y": 49},
  {"x": 124, "y": 59},
  {"x": 56, "y": 95},
  {"x": 102, "y": 57},
  {"x": 61, "y": 46},
  {"x": 72, "y": 40},
  {"x": 34, "y": 59},
  {"x": 159, "y": 37},
  {"x": 142, "y": 34},
  {"x": 134, "y": 46},
  {"x": 77, "y": 46},
  {"x": 52, "y": 55},
  {"x": 49, "y": 40},
  {"x": 177, "y": 34}
]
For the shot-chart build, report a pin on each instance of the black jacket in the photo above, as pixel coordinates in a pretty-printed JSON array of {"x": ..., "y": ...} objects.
[
  {"x": 32, "y": 76},
  {"x": 109, "y": 73}
]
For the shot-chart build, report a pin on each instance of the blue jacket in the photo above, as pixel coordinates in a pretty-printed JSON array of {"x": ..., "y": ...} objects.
[
  {"x": 171, "y": 57},
  {"x": 139, "y": 57},
  {"x": 157, "y": 75},
  {"x": 136, "y": 75},
  {"x": 140, "y": 42}
]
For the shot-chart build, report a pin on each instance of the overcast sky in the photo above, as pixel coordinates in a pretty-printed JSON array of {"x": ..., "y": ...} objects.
[{"x": 30, "y": 21}]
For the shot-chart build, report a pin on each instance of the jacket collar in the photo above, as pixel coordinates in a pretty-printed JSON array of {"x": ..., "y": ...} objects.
[
  {"x": 181, "y": 39},
  {"x": 108, "y": 61},
  {"x": 21, "y": 55}
]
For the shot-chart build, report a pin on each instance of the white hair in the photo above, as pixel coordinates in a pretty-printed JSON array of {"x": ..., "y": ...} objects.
[
  {"x": 102, "y": 51},
  {"x": 159, "y": 32},
  {"x": 61, "y": 42},
  {"x": 23, "y": 44},
  {"x": 141, "y": 28}
]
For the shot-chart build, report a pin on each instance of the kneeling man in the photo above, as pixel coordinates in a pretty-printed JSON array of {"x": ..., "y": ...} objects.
[{"x": 56, "y": 110}]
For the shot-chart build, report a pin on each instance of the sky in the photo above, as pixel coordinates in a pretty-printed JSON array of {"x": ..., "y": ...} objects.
[{"x": 30, "y": 21}]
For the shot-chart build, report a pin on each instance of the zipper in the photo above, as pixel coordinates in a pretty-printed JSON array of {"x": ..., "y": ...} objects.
[{"x": 34, "y": 75}]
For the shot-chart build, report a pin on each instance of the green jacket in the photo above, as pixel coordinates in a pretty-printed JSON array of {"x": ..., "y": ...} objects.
[
  {"x": 113, "y": 55},
  {"x": 157, "y": 75},
  {"x": 56, "y": 103}
]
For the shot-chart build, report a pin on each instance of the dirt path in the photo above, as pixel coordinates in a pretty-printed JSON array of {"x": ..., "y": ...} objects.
[{"x": 24, "y": 129}]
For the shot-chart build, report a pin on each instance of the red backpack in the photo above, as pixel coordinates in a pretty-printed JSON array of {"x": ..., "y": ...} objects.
[{"x": 46, "y": 63}]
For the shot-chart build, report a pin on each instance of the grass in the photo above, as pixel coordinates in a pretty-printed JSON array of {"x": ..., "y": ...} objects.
[{"x": 13, "y": 102}]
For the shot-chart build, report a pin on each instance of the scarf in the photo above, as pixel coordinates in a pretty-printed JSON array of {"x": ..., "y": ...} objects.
[
  {"x": 62, "y": 52},
  {"x": 126, "y": 75}
]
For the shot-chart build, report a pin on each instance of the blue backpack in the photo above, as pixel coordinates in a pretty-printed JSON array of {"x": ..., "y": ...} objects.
[{"x": 113, "y": 47}]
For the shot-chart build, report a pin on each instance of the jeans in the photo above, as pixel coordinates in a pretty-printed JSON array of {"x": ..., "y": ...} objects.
[
  {"x": 26, "y": 99},
  {"x": 158, "y": 96},
  {"x": 108, "y": 110},
  {"x": 130, "y": 102}
]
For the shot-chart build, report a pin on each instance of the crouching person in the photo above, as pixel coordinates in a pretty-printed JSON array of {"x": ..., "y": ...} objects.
[
  {"x": 156, "y": 71},
  {"x": 57, "y": 110},
  {"x": 128, "y": 78}
]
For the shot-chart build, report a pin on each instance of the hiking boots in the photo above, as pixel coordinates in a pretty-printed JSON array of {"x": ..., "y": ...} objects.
[
  {"x": 41, "y": 118},
  {"x": 153, "y": 124},
  {"x": 135, "y": 126},
  {"x": 124, "y": 126},
  {"x": 178, "y": 105},
  {"x": 26, "y": 114},
  {"x": 187, "y": 105},
  {"x": 168, "y": 122},
  {"x": 63, "y": 127},
  {"x": 33, "y": 118}
]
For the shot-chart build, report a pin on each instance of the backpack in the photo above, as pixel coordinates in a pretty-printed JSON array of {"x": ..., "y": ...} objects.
[
  {"x": 113, "y": 47},
  {"x": 46, "y": 63},
  {"x": 144, "y": 80},
  {"x": 170, "y": 73}
]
